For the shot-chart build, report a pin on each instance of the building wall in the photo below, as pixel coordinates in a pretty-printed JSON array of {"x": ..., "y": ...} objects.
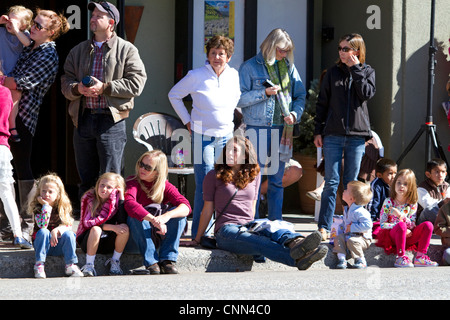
[
  {"x": 155, "y": 41},
  {"x": 398, "y": 50}
]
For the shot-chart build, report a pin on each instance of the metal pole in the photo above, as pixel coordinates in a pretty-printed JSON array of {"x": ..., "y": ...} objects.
[{"x": 431, "y": 65}]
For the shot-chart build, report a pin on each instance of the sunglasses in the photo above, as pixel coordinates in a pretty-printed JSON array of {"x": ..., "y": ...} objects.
[
  {"x": 106, "y": 6},
  {"x": 346, "y": 49},
  {"x": 146, "y": 167},
  {"x": 38, "y": 26}
]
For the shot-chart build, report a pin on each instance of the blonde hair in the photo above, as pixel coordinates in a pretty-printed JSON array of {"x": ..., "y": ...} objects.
[
  {"x": 277, "y": 38},
  {"x": 356, "y": 42},
  {"x": 360, "y": 191},
  {"x": 58, "y": 23},
  {"x": 110, "y": 176},
  {"x": 157, "y": 191},
  {"x": 27, "y": 16},
  {"x": 62, "y": 203},
  {"x": 411, "y": 193}
]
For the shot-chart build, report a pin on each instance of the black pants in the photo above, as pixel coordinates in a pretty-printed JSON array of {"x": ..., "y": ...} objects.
[{"x": 22, "y": 152}]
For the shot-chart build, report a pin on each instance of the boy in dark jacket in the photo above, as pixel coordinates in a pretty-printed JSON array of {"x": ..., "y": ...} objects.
[{"x": 386, "y": 170}]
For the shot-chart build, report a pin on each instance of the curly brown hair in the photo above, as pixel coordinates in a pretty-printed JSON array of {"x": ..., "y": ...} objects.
[
  {"x": 249, "y": 169},
  {"x": 223, "y": 42}
]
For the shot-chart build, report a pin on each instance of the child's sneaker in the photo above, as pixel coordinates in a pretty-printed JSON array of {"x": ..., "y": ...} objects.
[
  {"x": 88, "y": 270},
  {"x": 424, "y": 261},
  {"x": 115, "y": 269},
  {"x": 72, "y": 270},
  {"x": 342, "y": 264},
  {"x": 403, "y": 262},
  {"x": 360, "y": 263},
  {"x": 39, "y": 272}
]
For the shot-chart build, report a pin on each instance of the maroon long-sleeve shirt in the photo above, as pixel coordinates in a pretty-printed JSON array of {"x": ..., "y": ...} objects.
[{"x": 136, "y": 199}]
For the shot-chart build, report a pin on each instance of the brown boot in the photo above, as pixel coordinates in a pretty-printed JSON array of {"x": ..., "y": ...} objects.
[
  {"x": 302, "y": 246},
  {"x": 168, "y": 267}
]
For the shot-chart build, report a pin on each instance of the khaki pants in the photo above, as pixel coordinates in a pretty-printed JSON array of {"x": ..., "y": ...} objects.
[{"x": 355, "y": 245}]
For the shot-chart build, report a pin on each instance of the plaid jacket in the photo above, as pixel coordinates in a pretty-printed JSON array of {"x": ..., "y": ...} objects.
[{"x": 34, "y": 73}]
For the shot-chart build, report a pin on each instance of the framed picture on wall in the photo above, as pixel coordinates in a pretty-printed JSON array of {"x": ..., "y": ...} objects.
[{"x": 196, "y": 21}]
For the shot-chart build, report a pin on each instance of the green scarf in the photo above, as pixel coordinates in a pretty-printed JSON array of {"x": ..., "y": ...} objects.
[{"x": 284, "y": 99}]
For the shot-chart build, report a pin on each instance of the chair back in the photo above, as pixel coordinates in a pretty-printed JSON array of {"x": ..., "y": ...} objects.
[{"x": 155, "y": 131}]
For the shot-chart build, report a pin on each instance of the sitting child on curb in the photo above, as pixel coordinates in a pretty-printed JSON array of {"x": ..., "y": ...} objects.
[
  {"x": 357, "y": 226},
  {"x": 442, "y": 229},
  {"x": 433, "y": 191}
]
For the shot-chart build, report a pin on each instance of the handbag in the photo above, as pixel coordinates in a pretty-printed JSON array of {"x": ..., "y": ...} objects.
[
  {"x": 210, "y": 242},
  {"x": 156, "y": 209}
]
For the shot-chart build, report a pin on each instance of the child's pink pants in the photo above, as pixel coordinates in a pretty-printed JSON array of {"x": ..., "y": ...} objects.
[{"x": 421, "y": 235}]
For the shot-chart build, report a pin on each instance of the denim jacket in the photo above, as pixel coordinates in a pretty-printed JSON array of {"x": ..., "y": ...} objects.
[{"x": 257, "y": 107}]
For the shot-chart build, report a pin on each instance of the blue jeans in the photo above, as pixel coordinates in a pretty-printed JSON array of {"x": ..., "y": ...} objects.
[
  {"x": 334, "y": 147},
  {"x": 265, "y": 243},
  {"x": 98, "y": 143},
  {"x": 267, "y": 144},
  {"x": 141, "y": 240},
  {"x": 66, "y": 246},
  {"x": 206, "y": 151}
]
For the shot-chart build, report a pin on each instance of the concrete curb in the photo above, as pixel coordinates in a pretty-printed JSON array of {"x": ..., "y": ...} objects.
[{"x": 16, "y": 263}]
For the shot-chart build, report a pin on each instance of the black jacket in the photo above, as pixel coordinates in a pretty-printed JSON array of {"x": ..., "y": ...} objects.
[{"x": 341, "y": 107}]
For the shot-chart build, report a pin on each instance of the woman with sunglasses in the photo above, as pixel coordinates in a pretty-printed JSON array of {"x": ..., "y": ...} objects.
[
  {"x": 270, "y": 108},
  {"x": 33, "y": 75},
  {"x": 150, "y": 186},
  {"x": 342, "y": 122}
]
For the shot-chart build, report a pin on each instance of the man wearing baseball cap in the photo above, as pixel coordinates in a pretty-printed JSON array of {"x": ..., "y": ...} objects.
[{"x": 101, "y": 78}]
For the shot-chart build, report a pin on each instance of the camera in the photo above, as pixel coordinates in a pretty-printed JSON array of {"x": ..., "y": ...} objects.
[
  {"x": 87, "y": 81},
  {"x": 268, "y": 84}
]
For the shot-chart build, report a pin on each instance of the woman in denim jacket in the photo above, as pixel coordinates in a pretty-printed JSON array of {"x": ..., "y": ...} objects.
[{"x": 268, "y": 110}]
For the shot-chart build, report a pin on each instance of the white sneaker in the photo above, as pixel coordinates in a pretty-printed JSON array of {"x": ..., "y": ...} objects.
[
  {"x": 72, "y": 270},
  {"x": 89, "y": 270},
  {"x": 39, "y": 272},
  {"x": 115, "y": 267}
]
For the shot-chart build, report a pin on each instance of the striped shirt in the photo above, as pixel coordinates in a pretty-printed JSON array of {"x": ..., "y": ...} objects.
[{"x": 34, "y": 73}]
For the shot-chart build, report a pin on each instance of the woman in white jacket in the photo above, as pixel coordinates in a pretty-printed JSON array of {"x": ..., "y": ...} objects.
[{"x": 215, "y": 92}]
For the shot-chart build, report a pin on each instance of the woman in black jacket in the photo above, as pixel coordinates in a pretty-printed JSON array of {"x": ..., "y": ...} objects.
[{"x": 342, "y": 122}]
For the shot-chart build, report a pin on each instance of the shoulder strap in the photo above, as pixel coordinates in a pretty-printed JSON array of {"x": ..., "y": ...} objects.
[{"x": 225, "y": 208}]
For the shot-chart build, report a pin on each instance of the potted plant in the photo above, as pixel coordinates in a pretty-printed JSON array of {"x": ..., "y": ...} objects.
[
  {"x": 304, "y": 143},
  {"x": 305, "y": 151}
]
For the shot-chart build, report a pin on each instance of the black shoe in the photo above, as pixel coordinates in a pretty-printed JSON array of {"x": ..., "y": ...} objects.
[
  {"x": 168, "y": 267},
  {"x": 316, "y": 255},
  {"x": 14, "y": 137},
  {"x": 300, "y": 247}
]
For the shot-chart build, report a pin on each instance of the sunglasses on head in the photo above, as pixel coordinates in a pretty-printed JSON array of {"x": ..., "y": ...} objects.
[
  {"x": 146, "y": 167},
  {"x": 106, "y": 6},
  {"x": 345, "y": 49}
]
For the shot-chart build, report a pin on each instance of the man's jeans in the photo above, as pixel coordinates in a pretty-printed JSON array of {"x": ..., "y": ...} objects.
[
  {"x": 141, "y": 240},
  {"x": 206, "y": 151},
  {"x": 264, "y": 243},
  {"x": 266, "y": 141},
  {"x": 334, "y": 147},
  {"x": 98, "y": 144},
  {"x": 66, "y": 246}
]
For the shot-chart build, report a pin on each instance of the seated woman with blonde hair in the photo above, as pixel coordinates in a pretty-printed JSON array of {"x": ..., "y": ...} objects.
[{"x": 147, "y": 187}]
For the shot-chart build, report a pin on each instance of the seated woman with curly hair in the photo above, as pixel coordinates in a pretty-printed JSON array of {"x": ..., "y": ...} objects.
[{"x": 236, "y": 176}]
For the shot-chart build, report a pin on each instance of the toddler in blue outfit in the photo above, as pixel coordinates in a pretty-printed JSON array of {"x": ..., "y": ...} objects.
[{"x": 356, "y": 235}]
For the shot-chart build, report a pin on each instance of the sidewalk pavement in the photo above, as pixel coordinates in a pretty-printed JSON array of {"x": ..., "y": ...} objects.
[{"x": 18, "y": 263}]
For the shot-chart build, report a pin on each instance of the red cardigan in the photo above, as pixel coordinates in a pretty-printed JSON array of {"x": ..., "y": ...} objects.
[{"x": 136, "y": 199}]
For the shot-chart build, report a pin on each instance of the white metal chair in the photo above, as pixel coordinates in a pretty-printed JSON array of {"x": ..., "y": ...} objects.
[{"x": 162, "y": 131}]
